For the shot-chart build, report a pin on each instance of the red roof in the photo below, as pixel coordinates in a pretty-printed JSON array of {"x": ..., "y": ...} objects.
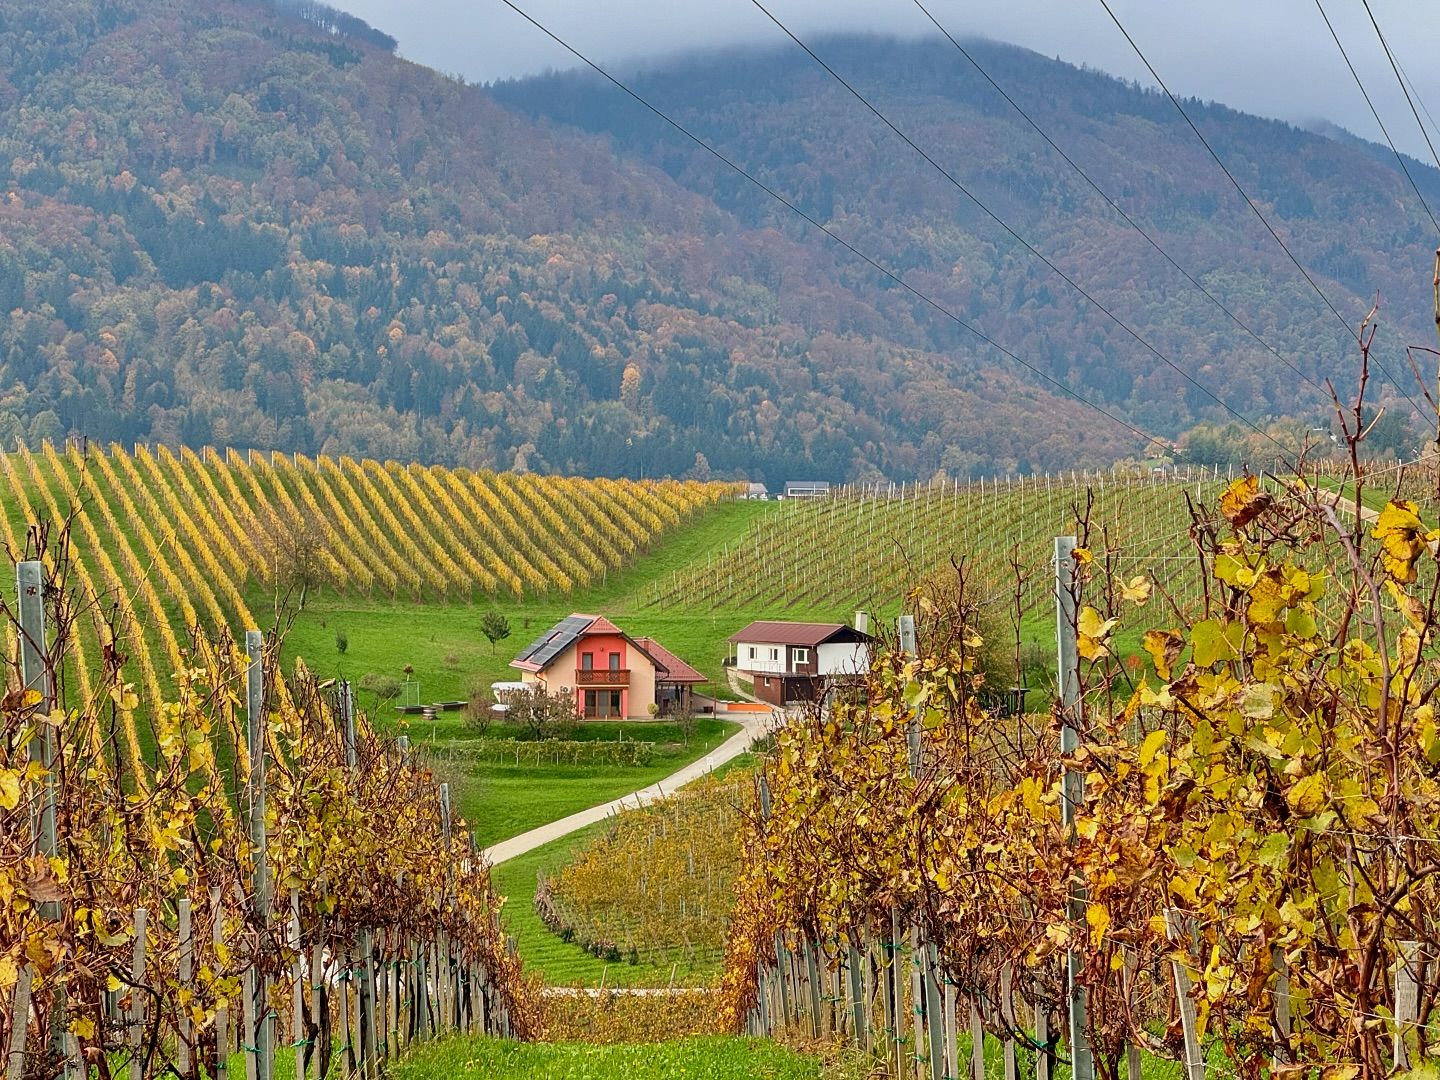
[
  {"x": 602, "y": 625},
  {"x": 671, "y": 667},
  {"x": 797, "y": 633},
  {"x": 539, "y": 654}
]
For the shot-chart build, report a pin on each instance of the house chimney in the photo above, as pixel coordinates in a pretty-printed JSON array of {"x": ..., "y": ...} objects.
[{"x": 862, "y": 621}]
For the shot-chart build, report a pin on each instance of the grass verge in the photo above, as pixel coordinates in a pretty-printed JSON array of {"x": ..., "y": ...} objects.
[{"x": 715, "y": 1057}]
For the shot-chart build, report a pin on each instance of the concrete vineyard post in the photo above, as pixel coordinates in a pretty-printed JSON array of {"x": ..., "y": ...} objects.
[
  {"x": 1194, "y": 1064},
  {"x": 137, "y": 998},
  {"x": 1008, "y": 1019},
  {"x": 297, "y": 986},
  {"x": 1282, "y": 1002},
  {"x": 222, "y": 1010},
  {"x": 934, "y": 1015},
  {"x": 897, "y": 993},
  {"x": 1082, "y": 1063},
  {"x": 186, "y": 971},
  {"x": 859, "y": 1013},
  {"x": 952, "y": 1032},
  {"x": 909, "y": 647},
  {"x": 365, "y": 938},
  {"x": 1132, "y": 1048},
  {"x": 261, "y": 1049},
  {"x": 977, "y": 1041},
  {"x": 1042, "y": 1036},
  {"x": 1407, "y": 998},
  {"x": 19, "y": 1025},
  {"x": 35, "y": 675}
]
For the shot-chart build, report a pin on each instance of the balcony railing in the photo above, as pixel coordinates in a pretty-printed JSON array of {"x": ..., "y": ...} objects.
[{"x": 602, "y": 677}]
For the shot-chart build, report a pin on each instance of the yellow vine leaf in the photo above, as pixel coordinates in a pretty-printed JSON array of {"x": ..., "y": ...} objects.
[
  {"x": 1150, "y": 747},
  {"x": 9, "y": 789},
  {"x": 1098, "y": 918},
  {"x": 1404, "y": 537},
  {"x": 1308, "y": 795},
  {"x": 1093, "y": 629},
  {"x": 1137, "y": 592},
  {"x": 1243, "y": 501},
  {"x": 1164, "y": 648}
]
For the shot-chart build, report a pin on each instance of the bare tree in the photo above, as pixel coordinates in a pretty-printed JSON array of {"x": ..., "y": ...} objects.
[
  {"x": 293, "y": 554},
  {"x": 543, "y": 714}
]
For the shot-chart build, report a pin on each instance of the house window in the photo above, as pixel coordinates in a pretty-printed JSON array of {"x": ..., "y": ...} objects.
[
  {"x": 602, "y": 704},
  {"x": 802, "y": 656},
  {"x": 614, "y": 661},
  {"x": 767, "y": 680},
  {"x": 587, "y": 661},
  {"x": 752, "y": 652},
  {"x": 775, "y": 656}
]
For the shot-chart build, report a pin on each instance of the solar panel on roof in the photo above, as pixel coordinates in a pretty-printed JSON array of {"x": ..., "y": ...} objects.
[{"x": 553, "y": 643}]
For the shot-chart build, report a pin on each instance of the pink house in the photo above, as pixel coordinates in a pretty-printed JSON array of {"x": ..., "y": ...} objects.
[{"x": 611, "y": 674}]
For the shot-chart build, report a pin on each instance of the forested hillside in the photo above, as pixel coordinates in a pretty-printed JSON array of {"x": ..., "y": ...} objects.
[
  {"x": 249, "y": 224},
  {"x": 1343, "y": 206}
]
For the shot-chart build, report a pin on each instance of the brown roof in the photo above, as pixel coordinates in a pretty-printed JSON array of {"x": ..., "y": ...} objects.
[
  {"x": 672, "y": 668},
  {"x": 797, "y": 633}
]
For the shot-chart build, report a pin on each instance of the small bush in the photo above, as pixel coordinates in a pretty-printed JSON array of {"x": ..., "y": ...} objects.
[
  {"x": 478, "y": 699},
  {"x": 342, "y": 642},
  {"x": 385, "y": 687}
]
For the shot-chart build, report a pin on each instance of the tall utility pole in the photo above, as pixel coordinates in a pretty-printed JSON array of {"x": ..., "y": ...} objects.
[{"x": 1073, "y": 785}]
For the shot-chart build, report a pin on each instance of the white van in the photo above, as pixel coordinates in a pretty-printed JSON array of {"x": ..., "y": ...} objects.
[{"x": 502, "y": 690}]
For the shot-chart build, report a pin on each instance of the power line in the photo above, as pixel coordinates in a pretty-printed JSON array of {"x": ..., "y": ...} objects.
[
  {"x": 948, "y": 175},
  {"x": 1112, "y": 203},
  {"x": 1418, "y": 99},
  {"x": 1315, "y": 285},
  {"x": 1395, "y": 67},
  {"x": 846, "y": 244},
  {"x": 1400, "y": 158}
]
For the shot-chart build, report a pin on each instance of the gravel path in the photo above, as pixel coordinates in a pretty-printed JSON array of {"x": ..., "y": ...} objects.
[{"x": 753, "y": 725}]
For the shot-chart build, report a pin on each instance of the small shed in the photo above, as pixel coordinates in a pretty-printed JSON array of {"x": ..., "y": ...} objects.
[{"x": 807, "y": 489}]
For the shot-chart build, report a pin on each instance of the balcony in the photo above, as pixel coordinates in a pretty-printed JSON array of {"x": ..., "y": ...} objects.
[{"x": 602, "y": 677}]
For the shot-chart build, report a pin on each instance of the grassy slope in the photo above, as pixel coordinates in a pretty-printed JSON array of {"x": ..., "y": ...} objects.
[{"x": 442, "y": 641}]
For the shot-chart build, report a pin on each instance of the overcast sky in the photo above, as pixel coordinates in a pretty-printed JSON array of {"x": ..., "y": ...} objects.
[{"x": 1272, "y": 57}]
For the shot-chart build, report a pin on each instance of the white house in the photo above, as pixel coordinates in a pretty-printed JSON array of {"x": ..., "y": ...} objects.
[{"x": 793, "y": 661}]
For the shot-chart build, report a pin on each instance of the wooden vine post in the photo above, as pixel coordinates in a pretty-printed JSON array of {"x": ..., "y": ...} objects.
[{"x": 1082, "y": 1061}]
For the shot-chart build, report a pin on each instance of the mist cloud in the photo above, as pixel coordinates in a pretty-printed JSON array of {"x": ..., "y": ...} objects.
[{"x": 1271, "y": 57}]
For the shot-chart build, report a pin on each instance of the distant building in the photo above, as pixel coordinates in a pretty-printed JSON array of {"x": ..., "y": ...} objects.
[
  {"x": 612, "y": 675},
  {"x": 807, "y": 489},
  {"x": 794, "y": 662},
  {"x": 757, "y": 491}
]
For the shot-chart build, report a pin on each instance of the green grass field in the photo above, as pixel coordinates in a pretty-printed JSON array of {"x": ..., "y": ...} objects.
[
  {"x": 501, "y": 799},
  {"x": 707, "y": 1057}
]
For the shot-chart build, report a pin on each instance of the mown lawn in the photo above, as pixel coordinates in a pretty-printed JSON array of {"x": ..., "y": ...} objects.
[
  {"x": 713, "y": 1057},
  {"x": 441, "y": 640},
  {"x": 501, "y": 799}
]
